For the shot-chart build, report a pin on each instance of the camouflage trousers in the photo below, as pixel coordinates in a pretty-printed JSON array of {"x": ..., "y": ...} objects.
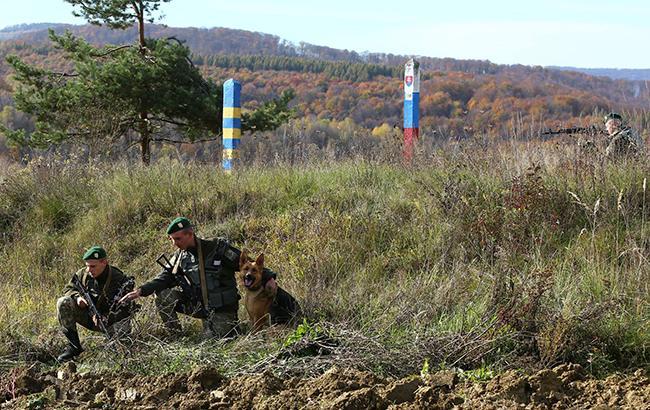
[
  {"x": 219, "y": 323},
  {"x": 69, "y": 314}
]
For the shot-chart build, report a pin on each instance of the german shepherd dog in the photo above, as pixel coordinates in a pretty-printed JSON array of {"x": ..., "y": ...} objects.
[{"x": 264, "y": 300}]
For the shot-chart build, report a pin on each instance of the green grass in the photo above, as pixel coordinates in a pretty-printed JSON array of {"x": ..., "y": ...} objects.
[{"x": 518, "y": 250}]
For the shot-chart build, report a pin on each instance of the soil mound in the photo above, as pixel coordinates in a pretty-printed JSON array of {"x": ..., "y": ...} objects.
[{"x": 563, "y": 387}]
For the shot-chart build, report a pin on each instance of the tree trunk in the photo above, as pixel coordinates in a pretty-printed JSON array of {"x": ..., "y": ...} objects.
[
  {"x": 145, "y": 139},
  {"x": 145, "y": 135},
  {"x": 140, "y": 14}
]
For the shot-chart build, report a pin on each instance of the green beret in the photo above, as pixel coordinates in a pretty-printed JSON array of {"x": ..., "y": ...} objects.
[
  {"x": 613, "y": 116},
  {"x": 96, "y": 252},
  {"x": 178, "y": 224}
]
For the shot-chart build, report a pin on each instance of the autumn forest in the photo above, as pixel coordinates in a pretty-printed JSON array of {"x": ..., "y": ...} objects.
[{"x": 459, "y": 98}]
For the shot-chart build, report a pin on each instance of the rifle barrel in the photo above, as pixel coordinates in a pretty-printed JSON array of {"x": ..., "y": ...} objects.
[{"x": 91, "y": 305}]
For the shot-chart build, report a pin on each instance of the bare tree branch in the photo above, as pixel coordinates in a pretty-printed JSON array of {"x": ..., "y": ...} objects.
[
  {"x": 168, "y": 121},
  {"x": 171, "y": 141},
  {"x": 113, "y": 50},
  {"x": 62, "y": 74}
]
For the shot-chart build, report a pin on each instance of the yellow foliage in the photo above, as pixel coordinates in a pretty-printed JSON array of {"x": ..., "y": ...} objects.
[{"x": 383, "y": 131}]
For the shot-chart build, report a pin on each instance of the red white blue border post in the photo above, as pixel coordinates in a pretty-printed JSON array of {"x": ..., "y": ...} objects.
[
  {"x": 231, "y": 123},
  {"x": 411, "y": 106}
]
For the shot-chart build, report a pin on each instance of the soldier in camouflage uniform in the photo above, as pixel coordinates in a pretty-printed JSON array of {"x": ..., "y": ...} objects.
[
  {"x": 622, "y": 141},
  {"x": 210, "y": 293},
  {"x": 105, "y": 284}
]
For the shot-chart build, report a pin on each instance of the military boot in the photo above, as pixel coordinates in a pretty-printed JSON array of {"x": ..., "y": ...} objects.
[{"x": 74, "y": 346}]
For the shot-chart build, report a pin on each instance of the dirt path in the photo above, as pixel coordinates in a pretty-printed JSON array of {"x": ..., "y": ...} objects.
[{"x": 564, "y": 387}]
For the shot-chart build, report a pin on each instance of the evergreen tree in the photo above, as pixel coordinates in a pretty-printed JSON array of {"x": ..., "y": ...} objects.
[{"x": 146, "y": 87}]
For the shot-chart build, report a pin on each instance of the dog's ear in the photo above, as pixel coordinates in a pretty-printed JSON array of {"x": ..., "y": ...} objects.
[
  {"x": 260, "y": 260},
  {"x": 243, "y": 258}
]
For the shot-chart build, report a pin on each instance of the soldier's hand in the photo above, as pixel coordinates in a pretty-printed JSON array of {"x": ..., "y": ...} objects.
[
  {"x": 130, "y": 296},
  {"x": 96, "y": 320},
  {"x": 81, "y": 302}
]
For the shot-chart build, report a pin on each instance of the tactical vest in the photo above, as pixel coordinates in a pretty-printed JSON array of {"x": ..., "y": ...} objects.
[
  {"x": 220, "y": 260},
  {"x": 101, "y": 292},
  {"x": 623, "y": 142},
  {"x": 105, "y": 294}
]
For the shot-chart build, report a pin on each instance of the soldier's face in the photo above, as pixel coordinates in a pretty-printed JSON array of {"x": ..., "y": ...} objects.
[
  {"x": 183, "y": 239},
  {"x": 612, "y": 126},
  {"x": 96, "y": 267}
]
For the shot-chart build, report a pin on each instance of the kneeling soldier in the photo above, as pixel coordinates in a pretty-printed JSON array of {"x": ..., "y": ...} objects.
[
  {"x": 622, "y": 140},
  {"x": 198, "y": 281},
  {"x": 104, "y": 285}
]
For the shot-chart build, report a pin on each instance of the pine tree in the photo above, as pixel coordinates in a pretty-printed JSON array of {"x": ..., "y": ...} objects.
[{"x": 146, "y": 87}]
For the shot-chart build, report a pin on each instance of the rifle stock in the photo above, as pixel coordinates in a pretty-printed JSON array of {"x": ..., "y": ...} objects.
[
  {"x": 182, "y": 281},
  {"x": 119, "y": 311}
]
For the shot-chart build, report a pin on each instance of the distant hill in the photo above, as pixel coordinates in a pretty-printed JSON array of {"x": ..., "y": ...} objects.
[
  {"x": 642, "y": 74},
  {"x": 23, "y": 29},
  {"x": 219, "y": 40},
  {"x": 458, "y": 97}
]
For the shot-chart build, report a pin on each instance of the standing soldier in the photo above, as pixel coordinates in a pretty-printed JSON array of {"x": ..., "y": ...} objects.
[
  {"x": 622, "y": 140},
  {"x": 198, "y": 281},
  {"x": 104, "y": 285}
]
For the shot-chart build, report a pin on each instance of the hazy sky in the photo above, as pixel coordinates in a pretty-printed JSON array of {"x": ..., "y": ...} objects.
[{"x": 579, "y": 33}]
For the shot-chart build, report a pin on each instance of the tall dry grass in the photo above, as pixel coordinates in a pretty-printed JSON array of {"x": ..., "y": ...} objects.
[{"x": 477, "y": 253}]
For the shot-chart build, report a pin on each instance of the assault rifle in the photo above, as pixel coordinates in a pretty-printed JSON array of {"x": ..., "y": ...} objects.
[
  {"x": 100, "y": 319},
  {"x": 592, "y": 130},
  {"x": 182, "y": 281}
]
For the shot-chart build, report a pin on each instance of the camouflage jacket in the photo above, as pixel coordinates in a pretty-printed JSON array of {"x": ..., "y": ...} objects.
[
  {"x": 105, "y": 291},
  {"x": 623, "y": 142},
  {"x": 220, "y": 260}
]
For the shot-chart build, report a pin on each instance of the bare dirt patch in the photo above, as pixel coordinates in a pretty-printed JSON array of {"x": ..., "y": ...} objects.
[{"x": 563, "y": 387}]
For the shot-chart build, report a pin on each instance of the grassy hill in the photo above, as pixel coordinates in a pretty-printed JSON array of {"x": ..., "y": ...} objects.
[{"x": 514, "y": 255}]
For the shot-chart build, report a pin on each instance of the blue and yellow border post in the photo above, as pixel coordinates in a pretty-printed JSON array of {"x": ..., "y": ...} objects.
[
  {"x": 411, "y": 106},
  {"x": 231, "y": 123}
]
